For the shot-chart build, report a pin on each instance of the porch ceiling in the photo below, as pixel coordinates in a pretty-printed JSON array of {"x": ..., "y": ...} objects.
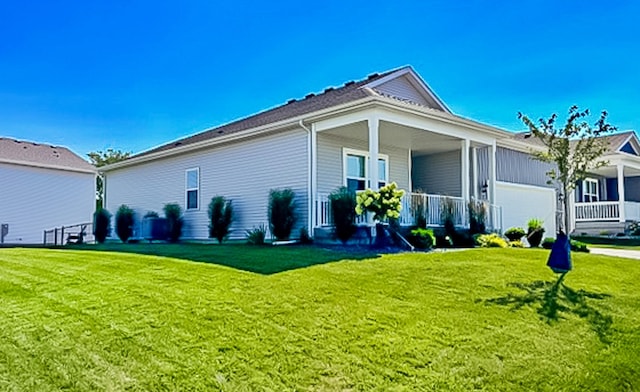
[
  {"x": 612, "y": 171},
  {"x": 420, "y": 141}
]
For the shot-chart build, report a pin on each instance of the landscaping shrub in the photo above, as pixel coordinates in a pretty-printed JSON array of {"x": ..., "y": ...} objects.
[
  {"x": 305, "y": 238},
  {"x": 173, "y": 213},
  {"x": 385, "y": 203},
  {"x": 634, "y": 228},
  {"x": 220, "y": 217},
  {"x": 421, "y": 214},
  {"x": 343, "y": 213},
  {"x": 477, "y": 217},
  {"x": 576, "y": 246},
  {"x": 516, "y": 244},
  {"x": 124, "y": 223},
  {"x": 492, "y": 240},
  {"x": 514, "y": 233},
  {"x": 447, "y": 211},
  {"x": 535, "y": 232},
  {"x": 151, "y": 214},
  {"x": 281, "y": 213},
  {"x": 101, "y": 225},
  {"x": 422, "y": 238},
  {"x": 257, "y": 235}
]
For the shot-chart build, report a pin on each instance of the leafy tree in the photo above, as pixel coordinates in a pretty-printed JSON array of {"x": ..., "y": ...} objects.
[
  {"x": 103, "y": 158},
  {"x": 574, "y": 149},
  {"x": 220, "y": 216}
]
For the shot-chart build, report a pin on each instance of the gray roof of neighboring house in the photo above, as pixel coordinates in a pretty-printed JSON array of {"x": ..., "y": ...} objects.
[
  {"x": 348, "y": 92},
  {"x": 38, "y": 154},
  {"x": 614, "y": 141}
]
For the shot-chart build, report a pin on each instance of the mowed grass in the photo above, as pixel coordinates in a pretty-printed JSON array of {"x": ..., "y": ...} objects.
[{"x": 456, "y": 321}]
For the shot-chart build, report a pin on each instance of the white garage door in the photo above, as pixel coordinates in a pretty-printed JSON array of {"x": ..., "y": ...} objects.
[{"x": 523, "y": 202}]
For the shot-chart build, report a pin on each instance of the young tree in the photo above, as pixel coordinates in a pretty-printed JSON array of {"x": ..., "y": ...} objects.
[
  {"x": 574, "y": 149},
  {"x": 103, "y": 158}
]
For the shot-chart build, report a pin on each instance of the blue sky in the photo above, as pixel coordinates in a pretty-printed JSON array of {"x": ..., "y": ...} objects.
[{"x": 132, "y": 75}]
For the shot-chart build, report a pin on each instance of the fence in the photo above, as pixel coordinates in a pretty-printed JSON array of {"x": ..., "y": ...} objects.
[{"x": 75, "y": 234}]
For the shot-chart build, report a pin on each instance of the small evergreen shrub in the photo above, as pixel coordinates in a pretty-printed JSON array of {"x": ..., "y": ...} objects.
[
  {"x": 535, "y": 232},
  {"x": 305, "y": 238},
  {"x": 576, "y": 246},
  {"x": 281, "y": 213},
  {"x": 447, "y": 214},
  {"x": 421, "y": 210},
  {"x": 514, "y": 233},
  {"x": 343, "y": 213},
  {"x": 151, "y": 214},
  {"x": 492, "y": 240},
  {"x": 422, "y": 238},
  {"x": 101, "y": 225},
  {"x": 516, "y": 244},
  {"x": 257, "y": 235},
  {"x": 124, "y": 223},
  {"x": 173, "y": 213},
  {"x": 477, "y": 217},
  {"x": 220, "y": 218}
]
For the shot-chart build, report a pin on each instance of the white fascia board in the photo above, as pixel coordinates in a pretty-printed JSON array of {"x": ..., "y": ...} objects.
[
  {"x": 628, "y": 160},
  {"x": 46, "y": 166},
  {"x": 344, "y": 119},
  {"x": 517, "y": 145}
]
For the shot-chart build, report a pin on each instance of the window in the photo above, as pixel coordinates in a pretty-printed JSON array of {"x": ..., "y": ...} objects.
[
  {"x": 192, "y": 187},
  {"x": 590, "y": 190},
  {"x": 356, "y": 170}
]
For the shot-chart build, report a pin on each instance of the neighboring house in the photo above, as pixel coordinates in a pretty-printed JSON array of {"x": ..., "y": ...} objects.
[
  {"x": 42, "y": 187},
  {"x": 327, "y": 140}
]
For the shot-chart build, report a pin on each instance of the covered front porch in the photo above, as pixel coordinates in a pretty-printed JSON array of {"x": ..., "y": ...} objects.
[
  {"x": 436, "y": 164},
  {"x": 612, "y": 194}
]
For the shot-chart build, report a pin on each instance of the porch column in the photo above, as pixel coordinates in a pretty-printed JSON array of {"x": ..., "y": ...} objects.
[
  {"x": 373, "y": 152},
  {"x": 464, "y": 164},
  {"x": 474, "y": 171},
  {"x": 620, "y": 168},
  {"x": 492, "y": 173},
  {"x": 313, "y": 191}
]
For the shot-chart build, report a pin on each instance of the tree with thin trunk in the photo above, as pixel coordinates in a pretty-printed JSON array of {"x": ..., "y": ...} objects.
[
  {"x": 103, "y": 158},
  {"x": 574, "y": 149}
]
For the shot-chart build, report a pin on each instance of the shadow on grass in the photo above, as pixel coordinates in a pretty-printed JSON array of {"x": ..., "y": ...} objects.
[
  {"x": 264, "y": 260},
  {"x": 554, "y": 300}
]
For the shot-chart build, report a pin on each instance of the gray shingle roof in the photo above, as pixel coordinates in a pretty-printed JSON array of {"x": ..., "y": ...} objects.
[
  {"x": 348, "y": 92},
  {"x": 614, "y": 141},
  {"x": 25, "y": 152}
]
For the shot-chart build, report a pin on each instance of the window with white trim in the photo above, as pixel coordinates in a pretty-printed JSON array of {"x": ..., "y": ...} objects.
[
  {"x": 356, "y": 169},
  {"x": 192, "y": 188},
  {"x": 590, "y": 191}
]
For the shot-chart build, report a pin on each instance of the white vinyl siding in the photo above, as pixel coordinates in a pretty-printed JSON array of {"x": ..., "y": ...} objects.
[
  {"x": 36, "y": 199},
  {"x": 402, "y": 88},
  {"x": 243, "y": 172},
  {"x": 330, "y": 162},
  {"x": 438, "y": 173},
  {"x": 513, "y": 166}
]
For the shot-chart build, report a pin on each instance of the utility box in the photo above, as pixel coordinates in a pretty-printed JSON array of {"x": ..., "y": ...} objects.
[
  {"x": 154, "y": 229},
  {"x": 4, "y": 230}
]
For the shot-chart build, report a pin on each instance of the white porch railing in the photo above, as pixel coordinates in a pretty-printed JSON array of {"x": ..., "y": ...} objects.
[
  {"x": 414, "y": 204},
  {"x": 598, "y": 211}
]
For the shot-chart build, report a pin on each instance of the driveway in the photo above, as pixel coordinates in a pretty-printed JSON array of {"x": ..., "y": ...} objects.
[{"x": 628, "y": 253}]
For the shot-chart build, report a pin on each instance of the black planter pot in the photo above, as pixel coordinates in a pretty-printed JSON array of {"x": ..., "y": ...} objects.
[
  {"x": 535, "y": 237},
  {"x": 383, "y": 238}
]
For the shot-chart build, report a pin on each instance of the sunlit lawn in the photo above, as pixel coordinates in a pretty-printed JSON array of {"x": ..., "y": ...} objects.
[{"x": 479, "y": 319}]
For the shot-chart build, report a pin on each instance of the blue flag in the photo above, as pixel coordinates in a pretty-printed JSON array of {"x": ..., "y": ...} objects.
[{"x": 560, "y": 257}]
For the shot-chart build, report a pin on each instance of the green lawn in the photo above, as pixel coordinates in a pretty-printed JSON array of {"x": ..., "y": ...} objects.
[{"x": 477, "y": 319}]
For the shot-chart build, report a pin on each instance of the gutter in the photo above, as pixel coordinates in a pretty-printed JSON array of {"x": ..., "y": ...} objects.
[
  {"x": 46, "y": 166},
  {"x": 309, "y": 178}
]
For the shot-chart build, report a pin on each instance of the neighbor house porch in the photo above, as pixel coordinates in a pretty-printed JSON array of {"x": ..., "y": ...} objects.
[
  {"x": 435, "y": 163},
  {"x": 608, "y": 199}
]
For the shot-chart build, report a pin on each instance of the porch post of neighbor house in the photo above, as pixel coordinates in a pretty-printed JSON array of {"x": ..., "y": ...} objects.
[
  {"x": 464, "y": 164},
  {"x": 620, "y": 168},
  {"x": 374, "y": 123}
]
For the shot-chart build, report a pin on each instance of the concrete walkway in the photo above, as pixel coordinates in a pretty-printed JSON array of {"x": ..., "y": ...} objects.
[{"x": 628, "y": 253}]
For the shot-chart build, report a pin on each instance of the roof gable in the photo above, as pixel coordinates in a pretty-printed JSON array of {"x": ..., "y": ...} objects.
[
  {"x": 629, "y": 149},
  {"x": 405, "y": 85}
]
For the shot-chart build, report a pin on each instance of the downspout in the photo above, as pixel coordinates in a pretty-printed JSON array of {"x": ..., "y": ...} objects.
[{"x": 309, "y": 181}]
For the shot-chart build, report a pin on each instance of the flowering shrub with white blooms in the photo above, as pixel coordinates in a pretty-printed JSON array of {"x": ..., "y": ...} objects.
[{"x": 385, "y": 203}]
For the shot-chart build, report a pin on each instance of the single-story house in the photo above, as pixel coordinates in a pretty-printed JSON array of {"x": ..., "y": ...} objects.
[
  {"x": 330, "y": 139},
  {"x": 42, "y": 187}
]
